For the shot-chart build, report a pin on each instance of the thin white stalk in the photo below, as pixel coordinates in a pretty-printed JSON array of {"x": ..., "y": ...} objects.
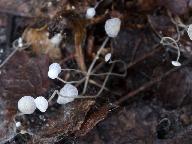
[
  {"x": 105, "y": 81},
  {"x": 71, "y": 82},
  {"x": 171, "y": 44},
  {"x": 15, "y": 49},
  {"x": 8, "y": 58},
  {"x": 92, "y": 64},
  {"x": 75, "y": 70},
  {"x": 105, "y": 88},
  {"x": 113, "y": 74}
]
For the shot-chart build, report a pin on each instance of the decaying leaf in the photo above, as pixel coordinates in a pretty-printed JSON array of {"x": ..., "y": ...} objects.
[
  {"x": 40, "y": 43},
  {"x": 63, "y": 121},
  {"x": 24, "y": 75},
  {"x": 174, "y": 95},
  {"x": 177, "y": 7},
  {"x": 92, "y": 120},
  {"x": 71, "y": 20},
  {"x": 21, "y": 76}
]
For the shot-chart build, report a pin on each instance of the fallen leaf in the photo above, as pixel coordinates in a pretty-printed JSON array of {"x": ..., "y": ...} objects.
[
  {"x": 40, "y": 42},
  {"x": 21, "y": 76}
]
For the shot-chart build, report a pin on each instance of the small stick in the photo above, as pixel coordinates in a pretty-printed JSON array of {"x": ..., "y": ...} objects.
[
  {"x": 113, "y": 74},
  {"x": 105, "y": 88},
  {"x": 156, "y": 49},
  {"x": 149, "y": 84},
  {"x": 93, "y": 63},
  {"x": 79, "y": 53},
  {"x": 70, "y": 82}
]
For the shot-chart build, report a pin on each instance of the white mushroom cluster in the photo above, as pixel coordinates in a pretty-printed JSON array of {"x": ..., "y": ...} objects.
[
  {"x": 112, "y": 27},
  {"x": 27, "y": 104},
  {"x": 54, "y": 70}
]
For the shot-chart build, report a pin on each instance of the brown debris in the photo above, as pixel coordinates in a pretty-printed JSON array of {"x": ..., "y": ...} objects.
[{"x": 40, "y": 42}]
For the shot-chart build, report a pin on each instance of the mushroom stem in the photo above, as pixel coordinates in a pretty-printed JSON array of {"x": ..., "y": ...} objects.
[
  {"x": 93, "y": 63},
  {"x": 70, "y": 82}
]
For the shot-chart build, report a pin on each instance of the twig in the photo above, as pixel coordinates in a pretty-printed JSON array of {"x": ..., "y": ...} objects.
[
  {"x": 149, "y": 84},
  {"x": 90, "y": 44},
  {"x": 93, "y": 64},
  {"x": 156, "y": 49},
  {"x": 105, "y": 88},
  {"x": 135, "y": 49},
  {"x": 79, "y": 53}
]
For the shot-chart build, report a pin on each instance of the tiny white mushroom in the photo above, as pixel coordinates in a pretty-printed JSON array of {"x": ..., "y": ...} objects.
[
  {"x": 176, "y": 63},
  {"x": 18, "y": 124},
  {"x": 90, "y": 13},
  {"x": 112, "y": 27},
  {"x": 41, "y": 103},
  {"x": 56, "y": 39},
  {"x": 20, "y": 42},
  {"x": 189, "y": 31},
  {"x": 54, "y": 70},
  {"x": 68, "y": 91},
  {"x": 107, "y": 57},
  {"x": 26, "y": 105}
]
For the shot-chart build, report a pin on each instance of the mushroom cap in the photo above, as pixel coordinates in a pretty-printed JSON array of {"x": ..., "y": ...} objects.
[
  {"x": 18, "y": 124},
  {"x": 56, "y": 39},
  {"x": 53, "y": 74},
  {"x": 107, "y": 57},
  {"x": 176, "y": 63},
  {"x": 69, "y": 91},
  {"x": 54, "y": 70},
  {"x": 26, "y": 105},
  {"x": 112, "y": 27},
  {"x": 189, "y": 31},
  {"x": 41, "y": 103},
  {"x": 90, "y": 13}
]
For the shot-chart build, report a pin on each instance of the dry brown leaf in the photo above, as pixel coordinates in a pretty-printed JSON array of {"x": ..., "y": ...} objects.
[
  {"x": 40, "y": 43},
  {"x": 61, "y": 121},
  {"x": 21, "y": 76},
  {"x": 24, "y": 75},
  {"x": 92, "y": 120}
]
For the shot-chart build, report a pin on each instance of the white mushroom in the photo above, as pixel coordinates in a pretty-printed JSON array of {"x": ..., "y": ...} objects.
[
  {"x": 20, "y": 42},
  {"x": 54, "y": 70},
  {"x": 41, "y": 103},
  {"x": 68, "y": 91},
  {"x": 26, "y": 105},
  {"x": 18, "y": 124},
  {"x": 90, "y": 13},
  {"x": 56, "y": 39},
  {"x": 112, "y": 27},
  {"x": 176, "y": 63},
  {"x": 107, "y": 57},
  {"x": 189, "y": 31}
]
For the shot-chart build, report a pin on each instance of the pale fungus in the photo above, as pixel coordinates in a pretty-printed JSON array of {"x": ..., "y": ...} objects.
[
  {"x": 54, "y": 70},
  {"x": 67, "y": 91},
  {"x": 26, "y": 105},
  {"x": 112, "y": 27},
  {"x": 41, "y": 103}
]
